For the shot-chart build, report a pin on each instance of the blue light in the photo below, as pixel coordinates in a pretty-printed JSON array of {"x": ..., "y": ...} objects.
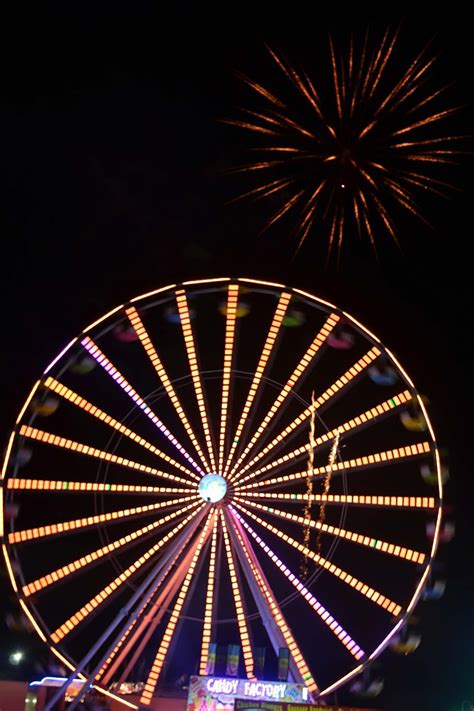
[{"x": 212, "y": 488}]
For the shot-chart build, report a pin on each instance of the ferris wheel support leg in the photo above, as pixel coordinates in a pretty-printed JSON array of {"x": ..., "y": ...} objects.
[
  {"x": 274, "y": 633},
  {"x": 158, "y": 570}
]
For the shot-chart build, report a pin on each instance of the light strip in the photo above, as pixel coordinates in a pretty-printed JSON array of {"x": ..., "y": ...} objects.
[
  {"x": 368, "y": 541},
  {"x": 182, "y": 304},
  {"x": 7, "y": 456},
  {"x": 357, "y": 421},
  {"x": 207, "y": 625},
  {"x": 102, "y": 318},
  {"x": 239, "y": 609},
  {"x": 323, "y": 399},
  {"x": 231, "y": 314},
  {"x": 92, "y": 557},
  {"x": 83, "y": 486},
  {"x": 47, "y": 438},
  {"x": 105, "y": 363},
  {"x": 9, "y": 568},
  {"x": 278, "y": 618},
  {"x": 405, "y": 502},
  {"x": 81, "y": 614},
  {"x": 160, "y": 657},
  {"x": 108, "y": 668},
  {"x": 290, "y": 384},
  {"x": 54, "y": 529},
  {"x": 60, "y": 355},
  {"x": 333, "y": 625},
  {"x": 79, "y": 401},
  {"x": 152, "y": 293},
  {"x": 273, "y": 332},
  {"x": 27, "y": 401},
  {"x": 371, "y": 594},
  {"x": 150, "y": 350},
  {"x": 390, "y": 455}
]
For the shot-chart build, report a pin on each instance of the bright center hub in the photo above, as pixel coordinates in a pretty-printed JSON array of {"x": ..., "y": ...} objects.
[{"x": 212, "y": 488}]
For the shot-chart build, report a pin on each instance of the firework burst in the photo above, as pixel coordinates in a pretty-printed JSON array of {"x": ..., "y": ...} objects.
[{"x": 349, "y": 157}]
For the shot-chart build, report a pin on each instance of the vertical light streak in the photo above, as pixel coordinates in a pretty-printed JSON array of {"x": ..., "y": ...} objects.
[
  {"x": 371, "y": 594},
  {"x": 333, "y": 625},
  {"x": 80, "y": 402},
  {"x": 208, "y": 612},
  {"x": 239, "y": 609},
  {"x": 348, "y": 426},
  {"x": 290, "y": 384},
  {"x": 62, "y": 442},
  {"x": 106, "y": 364},
  {"x": 232, "y": 302},
  {"x": 262, "y": 364},
  {"x": 309, "y": 486},
  {"x": 160, "y": 657},
  {"x": 277, "y": 616},
  {"x": 54, "y": 529},
  {"x": 27, "y": 401},
  {"x": 323, "y": 399},
  {"x": 93, "y": 556},
  {"x": 386, "y": 457},
  {"x": 151, "y": 352},
  {"x": 183, "y": 310},
  {"x": 105, "y": 593},
  {"x": 368, "y": 541}
]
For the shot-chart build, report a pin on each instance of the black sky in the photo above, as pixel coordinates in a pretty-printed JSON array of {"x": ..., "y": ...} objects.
[{"x": 111, "y": 167}]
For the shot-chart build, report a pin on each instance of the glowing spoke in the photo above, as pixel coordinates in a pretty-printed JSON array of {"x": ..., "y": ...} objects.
[
  {"x": 158, "y": 662},
  {"x": 280, "y": 621},
  {"x": 239, "y": 609},
  {"x": 150, "y": 350},
  {"x": 84, "y": 487},
  {"x": 79, "y": 401},
  {"x": 293, "y": 379},
  {"x": 387, "y": 457},
  {"x": 358, "y": 421},
  {"x": 157, "y": 603},
  {"x": 92, "y": 557},
  {"x": 368, "y": 541},
  {"x": 105, "y": 593},
  {"x": 371, "y": 594},
  {"x": 321, "y": 401},
  {"x": 402, "y": 502},
  {"x": 54, "y": 529},
  {"x": 333, "y": 625},
  {"x": 231, "y": 315},
  {"x": 182, "y": 304},
  {"x": 103, "y": 361},
  {"x": 262, "y": 364},
  {"x": 208, "y": 612},
  {"x": 47, "y": 438}
]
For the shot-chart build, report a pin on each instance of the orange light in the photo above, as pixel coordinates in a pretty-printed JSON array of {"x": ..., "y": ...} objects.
[
  {"x": 47, "y": 438},
  {"x": 92, "y": 557},
  {"x": 79, "y": 616},
  {"x": 413, "y": 450},
  {"x": 239, "y": 609},
  {"x": 54, "y": 529},
  {"x": 231, "y": 315},
  {"x": 323, "y": 399},
  {"x": 83, "y": 486},
  {"x": 362, "y": 588},
  {"x": 358, "y": 421},
  {"x": 160, "y": 657},
  {"x": 183, "y": 310},
  {"x": 305, "y": 361},
  {"x": 151, "y": 352},
  {"x": 262, "y": 364},
  {"x": 406, "y": 502},
  {"x": 79, "y": 401},
  {"x": 207, "y": 625}
]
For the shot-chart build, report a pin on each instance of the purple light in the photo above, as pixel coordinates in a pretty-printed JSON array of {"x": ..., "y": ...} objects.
[{"x": 95, "y": 352}]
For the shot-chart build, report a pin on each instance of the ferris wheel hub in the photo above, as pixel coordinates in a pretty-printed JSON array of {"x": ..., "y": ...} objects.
[{"x": 212, "y": 488}]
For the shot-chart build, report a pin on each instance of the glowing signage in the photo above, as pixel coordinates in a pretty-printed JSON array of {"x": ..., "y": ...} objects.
[{"x": 226, "y": 690}]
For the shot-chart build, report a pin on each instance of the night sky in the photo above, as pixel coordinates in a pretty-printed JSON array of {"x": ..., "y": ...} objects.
[{"x": 112, "y": 168}]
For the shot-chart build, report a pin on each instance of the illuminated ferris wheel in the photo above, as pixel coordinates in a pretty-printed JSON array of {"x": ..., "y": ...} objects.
[{"x": 215, "y": 461}]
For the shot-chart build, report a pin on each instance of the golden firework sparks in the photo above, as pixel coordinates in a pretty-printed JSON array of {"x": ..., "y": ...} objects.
[{"x": 355, "y": 157}]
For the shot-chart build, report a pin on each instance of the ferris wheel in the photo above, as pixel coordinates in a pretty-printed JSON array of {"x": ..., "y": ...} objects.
[{"x": 225, "y": 460}]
